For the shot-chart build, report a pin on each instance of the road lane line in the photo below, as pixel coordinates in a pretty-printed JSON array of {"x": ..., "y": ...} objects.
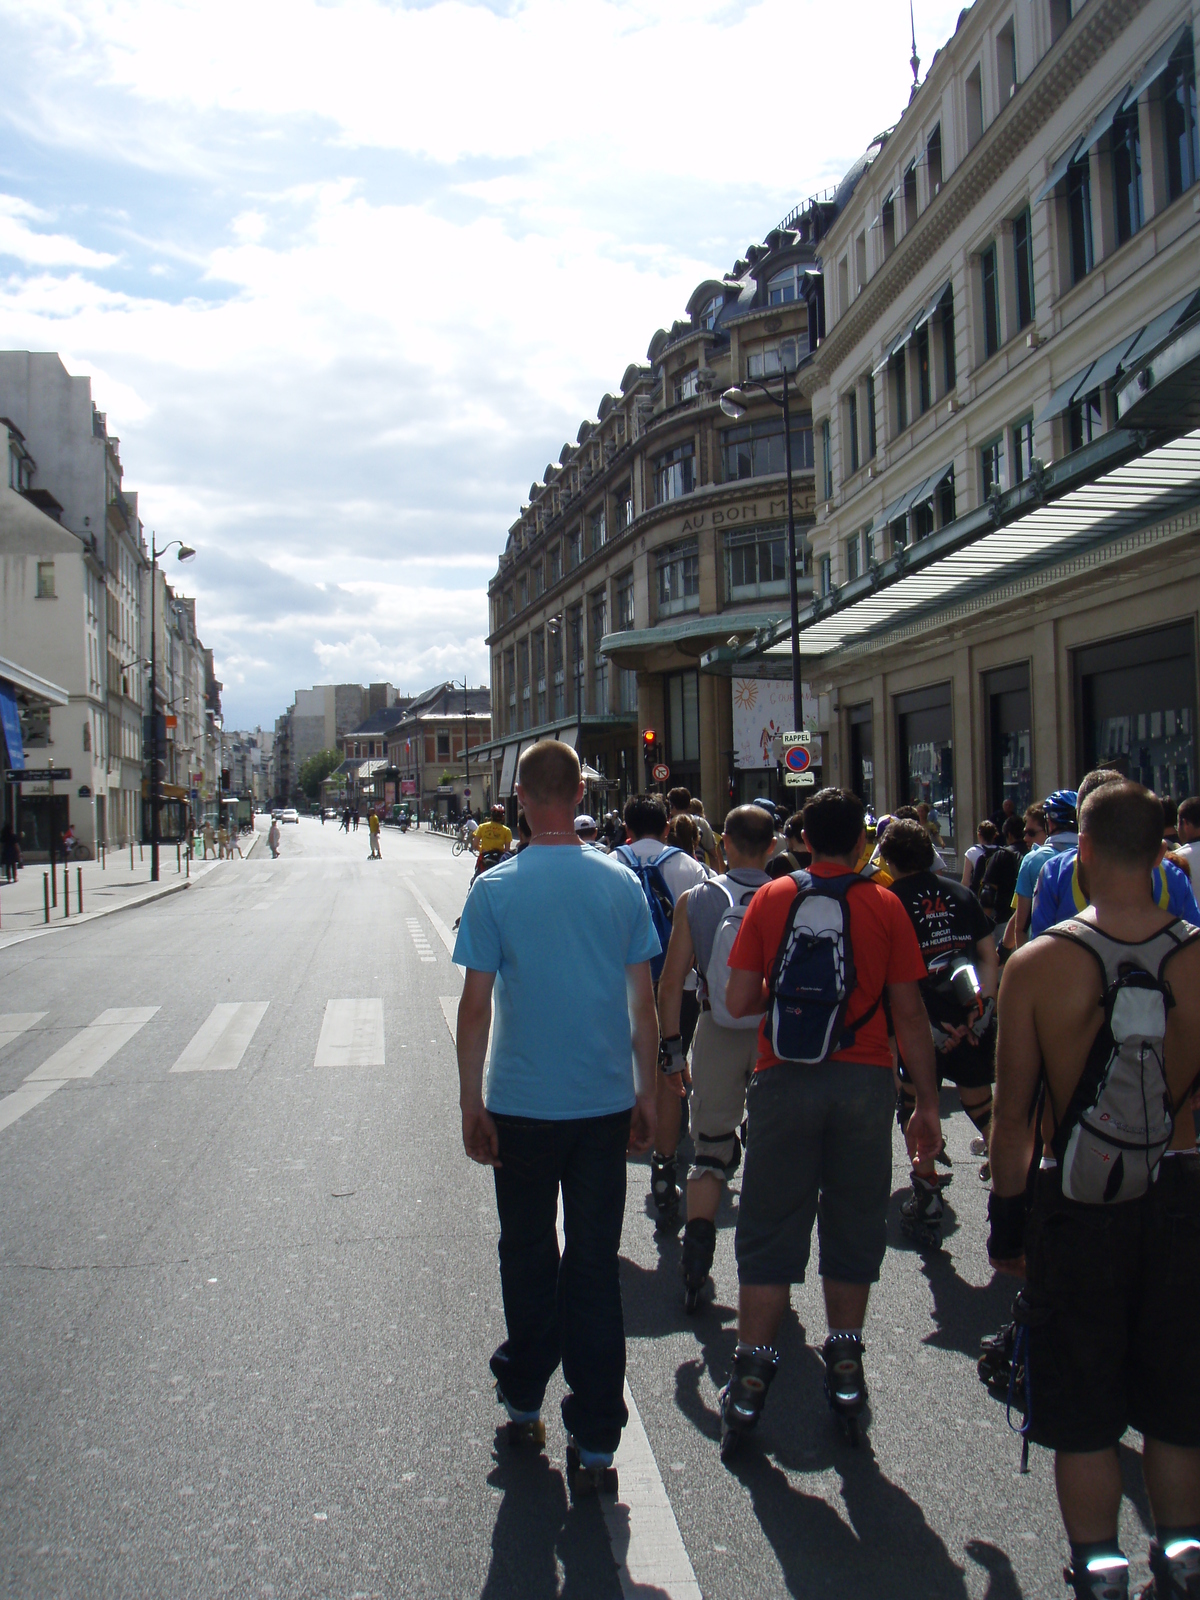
[
  {"x": 221, "y": 1040},
  {"x": 87, "y": 1052},
  {"x": 14, "y": 1023},
  {"x": 351, "y": 1034},
  {"x": 444, "y": 933}
]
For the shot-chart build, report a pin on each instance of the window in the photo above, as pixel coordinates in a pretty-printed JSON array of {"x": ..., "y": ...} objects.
[
  {"x": 949, "y": 358},
  {"x": 1127, "y": 173},
  {"x": 683, "y": 718},
  {"x": 678, "y": 579},
  {"x": 946, "y": 498},
  {"x": 933, "y": 156},
  {"x": 910, "y": 196},
  {"x": 1023, "y": 264},
  {"x": 852, "y": 549},
  {"x": 852, "y": 428},
  {"x": 555, "y": 563},
  {"x": 926, "y": 749},
  {"x": 1006, "y": 61},
  {"x": 872, "y": 440},
  {"x": 509, "y": 606},
  {"x": 599, "y": 530},
  {"x": 1061, "y": 12},
  {"x": 991, "y": 301},
  {"x": 556, "y": 668},
  {"x": 826, "y": 461},
  {"x": 924, "y": 379},
  {"x": 756, "y": 449},
  {"x": 45, "y": 580},
  {"x": 675, "y": 473},
  {"x": 991, "y": 466},
  {"x": 708, "y": 316},
  {"x": 974, "y": 93},
  {"x": 860, "y": 261},
  {"x": 510, "y": 690},
  {"x": 868, "y": 547},
  {"x": 575, "y": 631},
  {"x": 687, "y": 385},
  {"x": 1085, "y": 420},
  {"x": 1022, "y": 449},
  {"x": 624, "y": 507},
  {"x": 627, "y": 690},
  {"x": 599, "y": 662},
  {"x": 537, "y": 576},
  {"x": 770, "y": 360},
  {"x": 1010, "y": 743},
  {"x": 1135, "y": 707},
  {"x": 784, "y": 287},
  {"x": 1180, "y": 138},
  {"x": 539, "y": 675},
  {"x": 826, "y": 575},
  {"x": 921, "y": 518},
  {"x": 1079, "y": 217},
  {"x": 522, "y": 591},
  {"x": 843, "y": 285},
  {"x": 756, "y": 563},
  {"x": 862, "y": 751},
  {"x": 443, "y": 747},
  {"x": 898, "y": 371},
  {"x": 888, "y": 224},
  {"x": 625, "y": 601},
  {"x": 574, "y": 547}
]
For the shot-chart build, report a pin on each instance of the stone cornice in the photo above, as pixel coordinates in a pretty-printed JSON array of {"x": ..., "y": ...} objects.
[{"x": 1055, "y": 76}]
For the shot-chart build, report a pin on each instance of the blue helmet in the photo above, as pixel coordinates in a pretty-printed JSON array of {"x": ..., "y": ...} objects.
[{"x": 1061, "y": 806}]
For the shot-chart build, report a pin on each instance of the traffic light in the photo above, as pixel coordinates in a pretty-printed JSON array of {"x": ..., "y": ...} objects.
[{"x": 650, "y": 752}]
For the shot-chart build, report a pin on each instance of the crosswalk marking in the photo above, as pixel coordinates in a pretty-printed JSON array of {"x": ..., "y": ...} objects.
[
  {"x": 24, "y": 1099},
  {"x": 220, "y": 1042},
  {"x": 351, "y": 1034},
  {"x": 445, "y": 934},
  {"x": 14, "y": 1024},
  {"x": 417, "y": 933},
  {"x": 86, "y": 1053}
]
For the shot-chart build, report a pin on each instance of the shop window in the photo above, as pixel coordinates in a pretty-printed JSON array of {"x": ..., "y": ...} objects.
[
  {"x": 990, "y": 285},
  {"x": 862, "y": 753},
  {"x": 1023, "y": 267},
  {"x": 678, "y": 569},
  {"x": 756, "y": 563},
  {"x": 1180, "y": 137},
  {"x": 1126, "y": 143},
  {"x": 1136, "y": 708},
  {"x": 1010, "y": 739},
  {"x": 683, "y": 718},
  {"x": 1085, "y": 420},
  {"x": 1079, "y": 217},
  {"x": 925, "y": 744}
]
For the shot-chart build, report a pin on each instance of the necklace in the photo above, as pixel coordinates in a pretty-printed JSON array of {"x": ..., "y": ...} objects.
[{"x": 553, "y": 834}]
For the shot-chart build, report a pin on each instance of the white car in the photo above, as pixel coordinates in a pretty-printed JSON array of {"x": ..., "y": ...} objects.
[{"x": 289, "y": 814}]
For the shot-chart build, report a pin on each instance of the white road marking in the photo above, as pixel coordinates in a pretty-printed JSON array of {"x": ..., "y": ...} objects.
[
  {"x": 15, "y": 1023},
  {"x": 24, "y": 1099},
  {"x": 220, "y": 1042},
  {"x": 351, "y": 1034},
  {"x": 449, "y": 1005},
  {"x": 417, "y": 934},
  {"x": 444, "y": 933},
  {"x": 87, "y": 1052}
]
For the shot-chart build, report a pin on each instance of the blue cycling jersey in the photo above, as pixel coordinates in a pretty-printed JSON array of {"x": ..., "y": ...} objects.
[{"x": 1059, "y": 896}]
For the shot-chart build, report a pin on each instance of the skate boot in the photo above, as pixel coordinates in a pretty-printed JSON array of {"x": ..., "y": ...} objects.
[
  {"x": 744, "y": 1396},
  {"x": 589, "y": 1472},
  {"x": 699, "y": 1247},
  {"x": 845, "y": 1381},
  {"x": 664, "y": 1192},
  {"x": 995, "y": 1366},
  {"x": 525, "y": 1429},
  {"x": 1176, "y": 1570},
  {"x": 921, "y": 1214},
  {"x": 1104, "y": 1578}
]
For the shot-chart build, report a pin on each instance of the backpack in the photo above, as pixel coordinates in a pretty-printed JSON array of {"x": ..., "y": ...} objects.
[
  {"x": 980, "y": 868},
  {"x": 999, "y": 882},
  {"x": 813, "y": 976},
  {"x": 658, "y": 896},
  {"x": 715, "y": 977},
  {"x": 1121, "y": 1116}
]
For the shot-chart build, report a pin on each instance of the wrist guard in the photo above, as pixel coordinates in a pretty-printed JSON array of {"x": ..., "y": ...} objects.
[
  {"x": 1006, "y": 1235},
  {"x": 670, "y": 1054},
  {"x": 983, "y": 1021}
]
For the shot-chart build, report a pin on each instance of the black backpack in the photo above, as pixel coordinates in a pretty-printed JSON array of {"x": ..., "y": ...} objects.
[
  {"x": 981, "y": 866},
  {"x": 999, "y": 882}
]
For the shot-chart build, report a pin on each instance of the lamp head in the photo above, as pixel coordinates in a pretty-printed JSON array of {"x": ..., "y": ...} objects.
[
  {"x": 733, "y": 403},
  {"x": 186, "y": 552}
]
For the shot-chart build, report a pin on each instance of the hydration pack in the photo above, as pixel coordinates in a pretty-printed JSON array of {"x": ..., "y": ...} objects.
[
  {"x": 813, "y": 976},
  {"x": 658, "y": 896},
  {"x": 981, "y": 866},
  {"x": 1121, "y": 1116},
  {"x": 716, "y": 974}
]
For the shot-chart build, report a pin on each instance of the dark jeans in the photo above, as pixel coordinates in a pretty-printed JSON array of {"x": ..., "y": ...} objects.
[{"x": 566, "y": 1310}]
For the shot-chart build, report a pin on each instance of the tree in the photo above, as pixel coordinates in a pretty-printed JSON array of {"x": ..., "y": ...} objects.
[{"x": 316, "y": 769}]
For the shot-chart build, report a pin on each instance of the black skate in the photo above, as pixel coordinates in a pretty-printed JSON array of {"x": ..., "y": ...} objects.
[
  {"x": 845, "y": 1381},
  {"x": 699, "y": 1247},
  {"x": 744, "y": 1396},
  {"x": 995, "y": 1367},
  {"x": 587, "y": 1475},
  {"x": 921, "y": 1214},
  {"x": 1176, "y": 1571},
  {"x": 1105, "y": 1578},
  {"x": 664, "y": 1192},
  {"x": 523, "y": 1431}
]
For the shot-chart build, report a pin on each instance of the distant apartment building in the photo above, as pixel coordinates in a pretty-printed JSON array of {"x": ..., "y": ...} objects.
[
  {"x": 436, "y": 753},
  {"x": 316, "y": 720}
]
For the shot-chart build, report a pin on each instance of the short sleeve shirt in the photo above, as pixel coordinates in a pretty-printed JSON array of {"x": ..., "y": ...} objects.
[
  {"x": 558, "y": 927},
  {"x": 1060, "y": 895},
  {"x": 885, "y": 951},
  {"x": 492, "y": 836},
  {"x": 1032, "y": 863},
  {"x": 948, "y": 921}
]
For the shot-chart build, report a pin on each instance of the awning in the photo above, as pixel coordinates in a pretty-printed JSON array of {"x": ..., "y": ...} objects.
[
  {"x": 898, "y": 342},
  {"x": 1062, "y": 396},
  {"x": 507, "y": 771},
  {"x": 1108, "y": 365},
  {"x": 10, "y": 720},
  {"x": 1103, "y": 122},
  {"x": 32, "y": 683},
  {"x": 1057, "y": 172},
  {"x": 920, "y": 491},
  {"x": 568, "y": 735},
  {"x": 1157, "y": 64},
  {"x": 718, "y": 624},
  {"x": 933, "y": 305},
  {"x": 1163, "y": 390},
  {"x": 1157, "y": 330},
  {"x": 589, "y": 774}
]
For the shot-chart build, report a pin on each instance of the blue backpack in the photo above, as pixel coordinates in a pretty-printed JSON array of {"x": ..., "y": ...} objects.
[
  {"x": 813, "y": 976},
  {"x": 658, "y": 896}
]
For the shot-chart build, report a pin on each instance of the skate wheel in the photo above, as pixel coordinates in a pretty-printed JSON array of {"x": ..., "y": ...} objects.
[{"x": 527, "y": 1435}]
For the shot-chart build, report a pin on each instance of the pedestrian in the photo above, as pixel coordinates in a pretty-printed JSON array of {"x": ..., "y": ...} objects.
[
  {"x": 1000, "y": 876},
  {"x": 559, "y": 932},
  {"x": 588, "y": 832},
  {"x": 1050, "y": 827},
  {"x": 820, "y": 1104},
  {"x": 273, "y": 838},
  {"x": 373, "y": 830},
  {"x": 235, "y": 841},
  {"x": 210, "y": 840},
  {"x": 679, "y": 803},
  {"x": 346, "y": 820},
  {"x": 1187, "y": 821},
  {"x": 354, "y": 818},
  {"x": 322, "y": 815},
  {"x": 683, "y": 833},
  {"x": 1100, "y": 1027},
  {"x": 977, "y": 855},
  {"x": 793, "y": 857},
  {"x": 708, "y": 852},
  {"x": 10, "y": 852}
]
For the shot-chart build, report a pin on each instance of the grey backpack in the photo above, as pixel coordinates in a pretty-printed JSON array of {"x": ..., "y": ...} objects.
[{"x": 1121, "y": 1116}]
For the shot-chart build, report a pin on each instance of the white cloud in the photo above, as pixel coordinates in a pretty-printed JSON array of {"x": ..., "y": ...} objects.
[{"x": 41, "y": 249}]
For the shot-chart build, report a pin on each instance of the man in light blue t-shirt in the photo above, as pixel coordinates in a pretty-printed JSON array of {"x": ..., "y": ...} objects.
[
  {"x": 561, "y": 935},
  {"x": 1058, "y": 815}
]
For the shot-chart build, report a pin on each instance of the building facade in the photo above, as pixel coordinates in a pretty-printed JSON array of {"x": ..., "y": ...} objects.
[{"x": 436, "y": 754}]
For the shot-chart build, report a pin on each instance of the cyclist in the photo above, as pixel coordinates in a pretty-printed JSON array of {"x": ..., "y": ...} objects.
[
  {"x": 1053, "y": 819},
  {"x": 491, "y": 840}
]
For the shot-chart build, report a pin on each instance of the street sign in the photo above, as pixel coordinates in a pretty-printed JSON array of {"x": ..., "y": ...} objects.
[
  {"x": 661, "y": 772},
  {"x": 466, "y": 794},
  {"x": 797, "y": 758},
  {"x": 800, "y": 780},
  {"x": 801, "y": 737},
  {"x": 37, "y": 774}
]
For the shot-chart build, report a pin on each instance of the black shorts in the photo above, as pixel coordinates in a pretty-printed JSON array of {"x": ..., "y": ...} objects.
[
  {"x": 1113, "y": 1305},
  {"x": 968, "y": 1066}
]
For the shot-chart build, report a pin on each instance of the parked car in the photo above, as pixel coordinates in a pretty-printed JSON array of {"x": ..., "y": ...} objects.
[{"x": 289, "y": 814}]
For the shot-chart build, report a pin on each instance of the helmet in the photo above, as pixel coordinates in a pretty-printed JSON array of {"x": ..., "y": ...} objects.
[
  {"x": 497, "y": 813},
  {"x": 1061, "y": 806},
  {"x": 766, "y": 805}
]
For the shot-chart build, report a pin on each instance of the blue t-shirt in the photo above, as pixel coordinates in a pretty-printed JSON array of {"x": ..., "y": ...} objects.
[
  {"x": 1059, "y": 896},
  {"x": 1031, "y": 864},
  {"x": 558, "y": 927}
]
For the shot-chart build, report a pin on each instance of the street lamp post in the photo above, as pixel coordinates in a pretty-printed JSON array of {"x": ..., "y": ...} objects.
[
  {"x": 185, "y": 554},
  {"x": 466, "y": 741},
  {"x": 734, "y": 404}
]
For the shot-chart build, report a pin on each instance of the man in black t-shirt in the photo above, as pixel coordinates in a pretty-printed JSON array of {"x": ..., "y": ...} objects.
[{"x": 956, "y": 939}]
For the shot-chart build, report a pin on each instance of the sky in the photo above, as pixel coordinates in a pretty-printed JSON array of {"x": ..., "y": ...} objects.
[{"x": 346, "y": 274}]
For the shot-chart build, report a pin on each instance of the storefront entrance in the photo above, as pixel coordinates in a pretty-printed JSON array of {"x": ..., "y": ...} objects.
[
  {"x": 862, "y": 753},
  {"x": 1010, "y": 741},
  {"x": 1135, "y": 704},
  {"x": 925, "y": 743}
]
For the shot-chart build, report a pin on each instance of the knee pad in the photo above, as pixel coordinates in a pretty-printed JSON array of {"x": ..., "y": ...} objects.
[
  {"x": 717, "y": 1154},
  {"x": 981, "y": 1114}
]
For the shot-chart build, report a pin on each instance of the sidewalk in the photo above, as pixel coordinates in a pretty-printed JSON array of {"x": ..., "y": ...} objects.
[{"x": 108, "y": 888}]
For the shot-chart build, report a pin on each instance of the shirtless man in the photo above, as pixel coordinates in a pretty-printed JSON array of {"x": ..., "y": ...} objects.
[{"x": 1112, "y": 1298}]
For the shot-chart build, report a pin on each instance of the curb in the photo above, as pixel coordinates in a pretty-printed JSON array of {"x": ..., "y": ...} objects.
[{"x": 65, "y": 924}]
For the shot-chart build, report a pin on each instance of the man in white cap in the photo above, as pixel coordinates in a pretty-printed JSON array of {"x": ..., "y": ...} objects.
[{"x": 589, "y": 833}]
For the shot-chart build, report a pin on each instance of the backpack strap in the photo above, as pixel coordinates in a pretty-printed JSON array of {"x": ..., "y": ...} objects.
[{"x": 835, "y": 888}]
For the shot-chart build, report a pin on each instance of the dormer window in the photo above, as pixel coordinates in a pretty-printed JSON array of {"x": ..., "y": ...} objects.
[
  {"x": 784, "y": 287},
  {"x": 708, "y": 316},
  {"x": 687, "y": 385}
]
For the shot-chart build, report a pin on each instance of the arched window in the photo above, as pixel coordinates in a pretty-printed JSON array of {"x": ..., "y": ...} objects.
[
  {"x": 784, "y": 287},
  {"x": 708, "y": 315}
]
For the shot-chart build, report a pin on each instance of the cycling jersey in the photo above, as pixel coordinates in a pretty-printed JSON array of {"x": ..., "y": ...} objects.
[
  {"x": 1058, "y": 894},
  {"x": 491, "y": 836},
  {"x": 948, "y": 922}
]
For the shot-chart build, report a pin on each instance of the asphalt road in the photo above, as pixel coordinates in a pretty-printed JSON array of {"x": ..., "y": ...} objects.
[{"x": 248, "y": 1303}]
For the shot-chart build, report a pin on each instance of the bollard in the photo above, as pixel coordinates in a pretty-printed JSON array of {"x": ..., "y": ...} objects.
[
  {"x": 66, "y": 891},
  {"x": 79, "y": 890},
  {"x": 53, "y": 887},
  {"x": 178, "y": 855},
  {"x": 46, "y": 893},
  {"x": 131, "y": 855},
  {"x": 189, "y": 863},
  {"x": 141, "y": 853}
]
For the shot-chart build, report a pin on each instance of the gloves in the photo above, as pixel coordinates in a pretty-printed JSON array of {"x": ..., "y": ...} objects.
[
  {"x": 671, "y": 1054},
  {"x": 1006, "y": 1235}
]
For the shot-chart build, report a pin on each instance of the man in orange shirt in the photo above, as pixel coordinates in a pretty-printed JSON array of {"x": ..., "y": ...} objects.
[{"x": 820, "y": 1115}]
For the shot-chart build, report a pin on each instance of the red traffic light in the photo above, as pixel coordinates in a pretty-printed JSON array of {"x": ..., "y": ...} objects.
[{"x": 649, "y": 738}]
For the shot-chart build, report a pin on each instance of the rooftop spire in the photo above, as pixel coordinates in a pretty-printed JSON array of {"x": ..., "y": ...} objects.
[{"x": 915, "y": 61}]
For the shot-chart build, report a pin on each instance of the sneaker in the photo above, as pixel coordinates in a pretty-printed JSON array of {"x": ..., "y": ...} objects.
[
  {"x": 979, "y": 1147},
  {"x": 985, "y": 1172}
]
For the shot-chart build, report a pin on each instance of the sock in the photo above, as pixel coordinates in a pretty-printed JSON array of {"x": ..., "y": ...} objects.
[
  {"x": 845, "y": 1333},
  {"x": 1102, "y": 1552}
]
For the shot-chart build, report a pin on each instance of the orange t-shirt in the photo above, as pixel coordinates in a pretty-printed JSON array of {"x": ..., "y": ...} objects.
[{"x": 885, "y": 951}]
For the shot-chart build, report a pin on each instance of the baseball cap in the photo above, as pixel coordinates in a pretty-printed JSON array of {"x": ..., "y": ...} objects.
[{"x": 585, "y": 824}]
